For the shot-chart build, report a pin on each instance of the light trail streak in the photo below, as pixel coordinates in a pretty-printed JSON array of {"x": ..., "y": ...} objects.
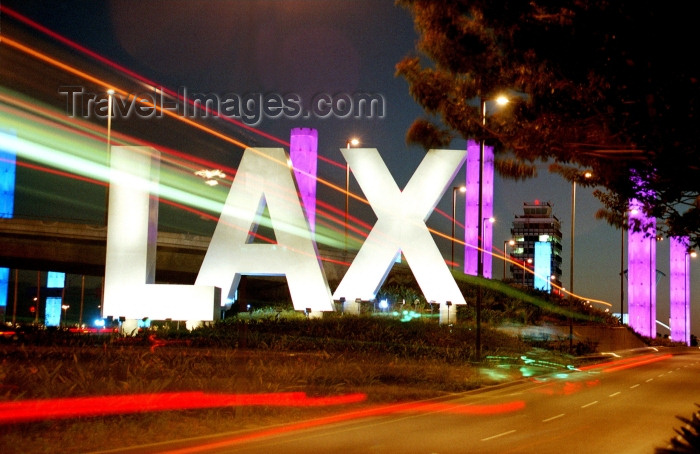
[
  {"x": 627, "y": 363},
  {"x": 35, "y": 115},
  {"x": 65, "y": 67},
  {"x": 25, "y": 20},
  {"x": 100, "y": 82},
  {"x": 179, "y": 197},
  {"x": 382, "y": 410},
  {"x": 76, "y": 407},
  {"x": 75, "y": 71},
  {"x": 73, "y": 148},
  {"x": 47, "y": 59}
]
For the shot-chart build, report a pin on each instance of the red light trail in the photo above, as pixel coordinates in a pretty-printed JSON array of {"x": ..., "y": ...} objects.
[{"x": 44, "y": 409}]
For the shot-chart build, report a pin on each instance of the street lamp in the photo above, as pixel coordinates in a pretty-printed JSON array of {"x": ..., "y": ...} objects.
[
  {"x": 490, "y": 220},
  {"x": 110, "y": 94},
  {"x": 686, "y": 329},
  {"x": 348, "y": 143},
  {"x": 586, "y": 174},
  {"x": 65, "y": 313},
  {"x": 37, "y": 298},
  {"x": 622, "y": 272},
  {"x": 454, "y": 215},
  {"x": 506, "y": 243},
  {"x": 501, "y": 100},
  {"x": 525, "y": 268}
]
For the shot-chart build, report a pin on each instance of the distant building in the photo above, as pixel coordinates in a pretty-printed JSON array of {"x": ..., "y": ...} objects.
[{"x": 537, "y": 236}]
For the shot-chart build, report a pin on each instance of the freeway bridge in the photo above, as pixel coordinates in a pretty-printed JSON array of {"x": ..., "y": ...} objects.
[{"x": 79, "y": 248}]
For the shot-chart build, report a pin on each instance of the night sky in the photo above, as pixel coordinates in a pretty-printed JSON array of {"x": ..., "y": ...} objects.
[{"x": 308, "y": 48}]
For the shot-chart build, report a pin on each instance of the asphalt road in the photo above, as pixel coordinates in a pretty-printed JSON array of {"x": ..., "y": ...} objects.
[{"x": 626, "y": 406}]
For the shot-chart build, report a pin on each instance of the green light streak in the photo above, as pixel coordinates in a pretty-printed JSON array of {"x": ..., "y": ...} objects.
[{"x": 507, "y": 290}]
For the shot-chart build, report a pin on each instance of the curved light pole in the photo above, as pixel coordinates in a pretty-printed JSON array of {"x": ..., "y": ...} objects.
[
  {"x": 348, "y": 143},
  {"x": 454, "y": 215}
]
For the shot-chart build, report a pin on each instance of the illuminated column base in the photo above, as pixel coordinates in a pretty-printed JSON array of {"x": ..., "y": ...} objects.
[
  {"x": 351, "y": 307},
  {"x": 448, "y": 314},
  {"x": 315, "y": 314},
  {"x": 129, "y": 327}
]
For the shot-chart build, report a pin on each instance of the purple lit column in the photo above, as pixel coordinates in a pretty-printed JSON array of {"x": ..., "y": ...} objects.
[
  {"x": 471, "y": 212},
  {"x": 641, "y": 272},
  {"x": 303, "y": 151},
  {"x": 679, "y": 297}
]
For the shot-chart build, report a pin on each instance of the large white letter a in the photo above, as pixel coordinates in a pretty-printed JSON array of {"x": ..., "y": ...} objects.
[{"x": 264, "y": 177}]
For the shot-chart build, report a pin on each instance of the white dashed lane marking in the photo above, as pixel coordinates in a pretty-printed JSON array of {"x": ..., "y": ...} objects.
[
  {"x": 497, "y": 436},
  {"x": 553, "y": 418}
]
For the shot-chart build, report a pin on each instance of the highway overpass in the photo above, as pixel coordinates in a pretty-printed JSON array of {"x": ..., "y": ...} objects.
[{"x": 79, "y": 248}]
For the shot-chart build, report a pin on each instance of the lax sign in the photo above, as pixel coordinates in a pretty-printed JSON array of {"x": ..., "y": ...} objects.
[{"x": 265, "y": 178}]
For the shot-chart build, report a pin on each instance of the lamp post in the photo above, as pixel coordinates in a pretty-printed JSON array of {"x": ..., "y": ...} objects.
[
  {"x": 622, "y": 274},
  {"x": 454, "y": 215},
  {"x": 65, "y": 314},
  {"x": 686, "y": 309},
  {"x": 490, "y": 220},
  {"x": 481, "y": 251},
  {"x": 652, "y": 317},
  {"x": 525, "y": 268},
  {"x": 505, "y": 254},
  {"x": 37, "y": 298},
  {"x": 480, "y": 262},
  {"x": 14, "y": 304},
  {"x": 586, "y": 174},
  {"x": 348, "y": 143},
  {"x": 110, "y": 94},
  {"x": 82, "y": 300}
]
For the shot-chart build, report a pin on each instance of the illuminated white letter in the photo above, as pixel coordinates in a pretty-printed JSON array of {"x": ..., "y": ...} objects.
[
  {"x": 401, "y": 225},
  {"x": 130, "y": 262},
  {"x": 264, "y": 177}
]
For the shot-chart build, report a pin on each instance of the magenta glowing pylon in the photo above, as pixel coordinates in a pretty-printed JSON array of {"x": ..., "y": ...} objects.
[
  {"x": 471, "y": 212},
  {"x": 641, "y": 271},
  {"x": 303, "y": 152},
  {"x": 679, "y": 287}
]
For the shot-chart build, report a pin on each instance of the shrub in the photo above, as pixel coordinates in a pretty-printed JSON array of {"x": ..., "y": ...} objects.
[{"x": 688, "y": 438}]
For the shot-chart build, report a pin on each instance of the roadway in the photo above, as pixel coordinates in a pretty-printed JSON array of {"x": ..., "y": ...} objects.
[{"x": 625, "y": 406}]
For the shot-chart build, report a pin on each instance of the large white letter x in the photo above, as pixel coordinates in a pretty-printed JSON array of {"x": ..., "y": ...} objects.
[{"x": 401, "y": 225}]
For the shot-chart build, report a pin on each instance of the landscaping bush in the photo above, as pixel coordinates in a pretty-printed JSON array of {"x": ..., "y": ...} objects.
[{"x": 687, "y": 440}]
